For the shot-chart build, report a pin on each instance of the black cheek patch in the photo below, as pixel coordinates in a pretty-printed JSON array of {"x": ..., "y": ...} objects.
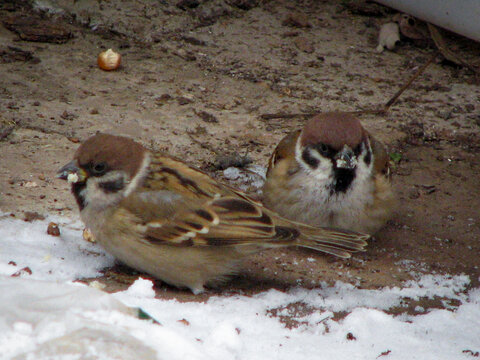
[
  {"x": 112, "y": 186},
  {"x": 309, "y": 159}
]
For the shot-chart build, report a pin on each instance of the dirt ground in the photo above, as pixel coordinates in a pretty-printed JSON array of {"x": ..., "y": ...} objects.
[{"x": 209, "y": 70}]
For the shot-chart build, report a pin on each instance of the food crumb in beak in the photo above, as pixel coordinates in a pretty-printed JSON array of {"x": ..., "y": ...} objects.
[
  {"x": 72, "y": 178},
  {"x": 341, "y": 163}
]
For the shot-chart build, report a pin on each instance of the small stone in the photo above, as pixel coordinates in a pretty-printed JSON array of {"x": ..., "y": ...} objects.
[
  {"x": 351, "y": 337},
  {"x": 297, "y": 20},
  {"x": 223, "y": 162},
  {"x": 30, "y": 184},
  {"x": 182, "y": 100},
  {"x": 207, "y": 117},
  {"x": 53, "y": 229},
  {"x": 304, "y": 45},
  {"x": 66, "y": 115},
  {"x": 162, "y": 99}
]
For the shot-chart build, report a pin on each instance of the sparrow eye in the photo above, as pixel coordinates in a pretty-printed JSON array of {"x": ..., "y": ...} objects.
[
  {"x": 98, "y": 169},
  {"x": 323, "y": 149}
]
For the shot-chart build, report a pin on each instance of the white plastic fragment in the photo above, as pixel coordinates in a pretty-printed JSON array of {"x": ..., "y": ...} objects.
[{"x": 388, "y": 37}]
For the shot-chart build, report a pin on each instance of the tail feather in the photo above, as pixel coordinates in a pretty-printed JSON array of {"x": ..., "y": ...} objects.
[
  {"x": 328, "y": 250},
  {"x": 337, "y": 242}
]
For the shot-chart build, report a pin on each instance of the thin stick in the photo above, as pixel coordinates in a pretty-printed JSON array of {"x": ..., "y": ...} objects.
[
  {"x": 377, "y": 111},
  {"x": 409, "y": 82}
]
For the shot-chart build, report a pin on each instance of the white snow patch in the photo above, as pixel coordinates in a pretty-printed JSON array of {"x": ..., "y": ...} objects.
[
  {"x": 53, "y": 318},
  {"x": 27, "y": 244},
  {"x": 141, "y": 288}
]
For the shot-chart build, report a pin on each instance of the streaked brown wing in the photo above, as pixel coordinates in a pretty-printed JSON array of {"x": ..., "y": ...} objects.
[
  {"x": 222, "y": 222},
  {"x": 174, "y": 175}
]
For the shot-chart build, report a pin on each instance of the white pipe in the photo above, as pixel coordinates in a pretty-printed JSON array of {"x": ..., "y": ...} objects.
[{"x": 459, "y": 16}]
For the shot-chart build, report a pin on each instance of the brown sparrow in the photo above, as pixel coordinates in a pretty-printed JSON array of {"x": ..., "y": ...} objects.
[
  {"x": 332, "y": 173},
  {"x": 161, "y": 216}
]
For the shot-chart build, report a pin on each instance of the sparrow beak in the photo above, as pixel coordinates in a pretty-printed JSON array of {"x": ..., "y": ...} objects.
[
  {"x": 72, "y": 173},
  {"x": 346, "y": 159}
]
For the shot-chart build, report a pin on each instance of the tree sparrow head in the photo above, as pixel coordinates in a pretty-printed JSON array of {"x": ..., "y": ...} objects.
[
  {"x": 334, "y": 147},
  {"x": 105, "y": 168}
]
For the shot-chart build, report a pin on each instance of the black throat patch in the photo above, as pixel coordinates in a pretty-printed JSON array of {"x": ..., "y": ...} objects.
[
  {"x": 76, "y": 190},
  {"x": 343, "y": 179}
]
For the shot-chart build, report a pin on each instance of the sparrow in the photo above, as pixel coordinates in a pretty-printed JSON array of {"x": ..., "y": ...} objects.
[
  {"x": 161, "y": 216},
  {"x": 332, "y": 173}
]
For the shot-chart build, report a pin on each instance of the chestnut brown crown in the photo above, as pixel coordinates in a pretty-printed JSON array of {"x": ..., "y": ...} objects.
[
  {"x": 114, "y": 152},
  {"x": 335, "y": 129}
]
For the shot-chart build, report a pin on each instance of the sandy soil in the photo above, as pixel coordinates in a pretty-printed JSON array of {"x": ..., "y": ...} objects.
[{"x": 236, "y": 60}]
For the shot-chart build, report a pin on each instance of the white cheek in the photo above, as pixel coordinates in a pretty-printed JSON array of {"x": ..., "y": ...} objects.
[
  {"x": 324, "y": 171},
  {"x": 364, "y": 171},
  {"x": 96, "y": 197},
  {"x": 322, "y": 174}
]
